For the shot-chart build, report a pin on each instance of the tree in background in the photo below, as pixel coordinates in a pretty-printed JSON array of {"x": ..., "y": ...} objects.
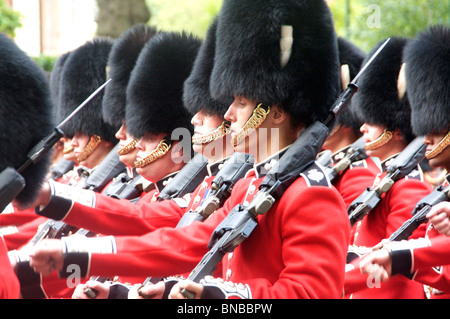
[
  {"x": 371, "y": 21},
  {"x": 117, "y": 16},
  {"x": 193, "y": 16},
  {"x": 9, "y": 19}
]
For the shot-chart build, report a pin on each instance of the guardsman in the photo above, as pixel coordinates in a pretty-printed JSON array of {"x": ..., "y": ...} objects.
[
  {"x": 211, "y": 139},
  {"x": 361, "y": 173},
  {"x": 382, "y": 103},
  {"x": 91, "y": 137},
  {"x": 14, "y": 220},
  {"x": 26, "y": 120},
  {"x": 150, "y": 114},
  {"x": 425, "y": 260},
  {"x": 264, "y": 68}
]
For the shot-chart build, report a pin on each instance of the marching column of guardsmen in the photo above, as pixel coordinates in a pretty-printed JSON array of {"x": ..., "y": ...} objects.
[
  {"x": 424, "y": 260},
  {"x": 287, "y": 108},
  {"x": 234, "y": 100},
  {"x": 387, "y": 131}
]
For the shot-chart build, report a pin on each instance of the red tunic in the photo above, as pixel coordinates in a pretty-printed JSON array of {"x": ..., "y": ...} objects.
[
  {"x": 392, "y": 211},
  {"x": 298, "y": 249},
  {"x": 9, "y": 284},
  {"x": 353, "y": 181},
  {"x": 430, "y": 265}
]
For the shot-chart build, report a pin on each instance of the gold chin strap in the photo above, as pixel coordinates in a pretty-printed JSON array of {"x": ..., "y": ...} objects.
[
  {"x": 127, "y": 149},
  {"x": 161, "y": 150},
  {"x": 382, "y": 140},
  {"x": 219, "y": 132},
  {"x": 258, "y": 117},
  {"x": 439, "y": 148},
  {"x": 90, "y": 148},
  {"x": 68, "y": 149}
]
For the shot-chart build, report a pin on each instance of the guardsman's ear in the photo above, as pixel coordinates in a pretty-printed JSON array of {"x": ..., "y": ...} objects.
[{"x": 279, "y": 114}]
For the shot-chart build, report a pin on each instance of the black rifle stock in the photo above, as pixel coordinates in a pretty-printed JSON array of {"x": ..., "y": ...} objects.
[
  {"x": 187, "y": 180},
  {"x": 402, "y": 165},
  {"x": 420, "y": 212},
  {"x": 232, "y": 171},
  {"x": 108, "y": 169}
]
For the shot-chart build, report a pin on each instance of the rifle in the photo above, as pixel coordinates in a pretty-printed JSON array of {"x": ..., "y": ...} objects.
[
  {"x": 187, "y": 180},
  {"x": 62, "y": 167},
  {"x": 233, "y": 170},
  {"x": 356, "y": 152},
  {"x": 37, "y": 153},
  {"x": 242, "y": 220},
  {"x": 402, "y": 165},
  {"x": 110, "y": 167},
  {"x": 420, "y": 212}
]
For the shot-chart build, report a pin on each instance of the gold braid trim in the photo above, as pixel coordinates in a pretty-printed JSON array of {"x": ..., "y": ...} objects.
[
  {"x": 439, "y": 148},
  {"x": 68, "y": 149},
  {"x": 127, "y": 149},
  {"x": 219, "y": 132},
  {"x": 258, "y": 117},
  {"x": 90, "y": 148},
  {"x": 382, "y": 140},
  {"x": 161, "y": 150}
]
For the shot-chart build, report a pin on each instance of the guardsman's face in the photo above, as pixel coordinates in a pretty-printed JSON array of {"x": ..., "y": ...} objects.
[
  {"x": 371, "y": 133},
  {"x": 158, "y": 169},
  {"x": 79, "y": 143},
  {"x": 125, "y": 139},
  {"x": 442, "y": 159},
  {"x": 238, "y": 114},
  {"x": 69, "y": 153},
  {"x": 203, "y": 125}
]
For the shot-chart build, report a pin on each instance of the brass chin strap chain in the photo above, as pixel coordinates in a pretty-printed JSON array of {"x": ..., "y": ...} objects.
[
  {"x": 219, "y": 132},
  {"x": 68, "y": 149},
  {"x": 127, "y": 149},
  {"x": 439, "y": 148},
  {"x": 90, "y": 148},
  {"x": 255, "y": 121},
  {"x": 382, "y": 140},
  {"x": 161, "y": 150}
]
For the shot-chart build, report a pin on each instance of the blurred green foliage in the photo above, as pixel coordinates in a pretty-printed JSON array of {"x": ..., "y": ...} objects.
[
  {"x": 45, "y": 62},
  {"x": 364, "y": 22},
  {"x": 371, "y": 21},
  {"x": 9, "y": 19},
  {"x": 189, "y": 15}
]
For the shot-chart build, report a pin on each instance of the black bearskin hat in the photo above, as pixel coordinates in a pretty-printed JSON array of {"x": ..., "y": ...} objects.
[
  {"x": 197, "y": 94},
  {"x": 427, "y": 61},
  {"x": 84, "y": 72},
  {"x": 121, "y": 62},
  {"x": 26, "y": 115},
  {"x": 55, "y": 80},
  {"x": 379, "y": 100},
  {"x": 351, "y": 58},
  {"x": 278, "y": 53},
  {"x": 155, "y": 92}
]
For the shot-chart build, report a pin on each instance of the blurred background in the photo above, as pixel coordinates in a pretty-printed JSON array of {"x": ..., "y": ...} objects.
[{"x": 46, "y": 29}]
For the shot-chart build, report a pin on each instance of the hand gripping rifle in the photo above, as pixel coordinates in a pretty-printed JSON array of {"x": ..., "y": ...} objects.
[
  {"x": 233, "y": 170},
  {"x": 242, "y": 220},
  {"x": 11, "y": 180},
  {"x": 420, "y": 212},
  {"x": 402, "y": 165}
]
